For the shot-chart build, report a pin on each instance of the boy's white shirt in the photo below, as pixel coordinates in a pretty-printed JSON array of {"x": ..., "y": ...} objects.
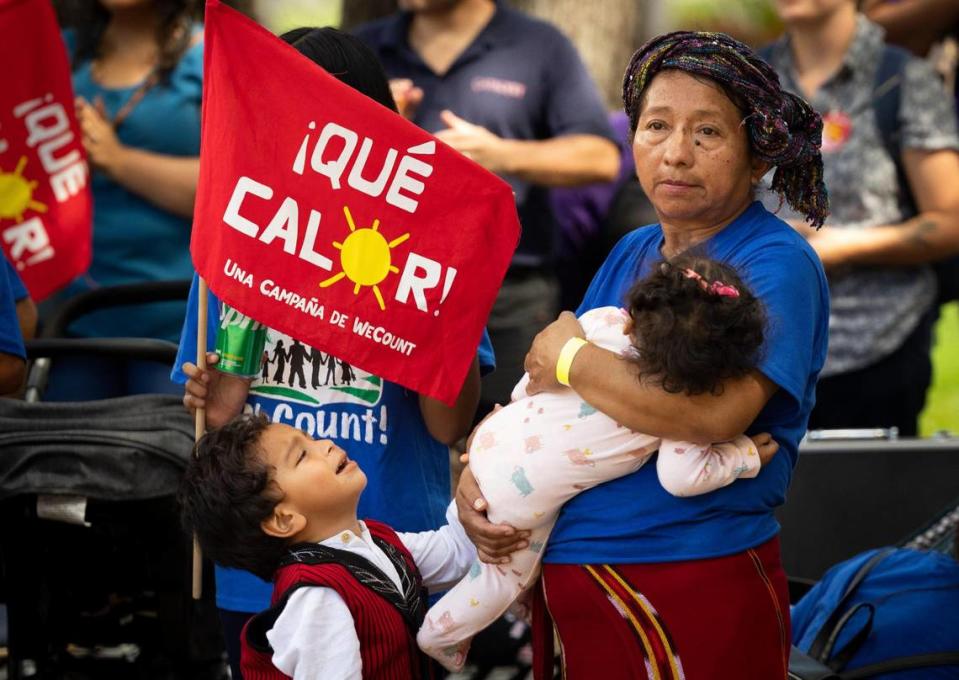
[{"x": 315, "y": 636}]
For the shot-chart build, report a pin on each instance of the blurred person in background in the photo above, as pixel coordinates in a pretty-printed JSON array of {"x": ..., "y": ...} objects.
[
  {"x": 511, "y": 93},
  {"x": 137, "y": 74},
  {"x": 929, "y": 29},
  {"x": 593, "y": 217},
  {"x": 895, "y": 209},
  {"x": 25, "y": 307},
  {"x": 18, "y": 319}
]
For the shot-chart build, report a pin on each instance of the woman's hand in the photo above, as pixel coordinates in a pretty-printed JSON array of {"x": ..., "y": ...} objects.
[
  {"x": 222, "y": 395},
  {"x": 542, "y": 356},
  {"x": 766, "y": 446},
  {"x": 100, "y": 140},
  {"x": 494, "y": 542}
]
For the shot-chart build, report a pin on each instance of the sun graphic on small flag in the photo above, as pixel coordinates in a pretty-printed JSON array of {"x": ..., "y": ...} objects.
[
  {"x": 16, "y": 193},
  {"x": 365, "y": 257}
]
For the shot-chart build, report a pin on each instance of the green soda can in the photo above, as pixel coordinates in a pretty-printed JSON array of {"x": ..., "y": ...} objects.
[{"x": 239, "y": 342}]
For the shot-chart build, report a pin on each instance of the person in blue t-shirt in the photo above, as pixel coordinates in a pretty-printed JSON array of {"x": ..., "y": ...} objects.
[
  {"x": 633, "y": 576},
  {"x": 25, "y": 307},
  {"x": 13, "y": 365},
  {"x": 398, "y": 437},
  {"x": 138, "y": 78}
]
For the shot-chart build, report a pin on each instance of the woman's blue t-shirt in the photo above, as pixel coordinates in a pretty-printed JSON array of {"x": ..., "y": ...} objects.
[
  {"x": 377, "y": 422},
  {"x": 133, "y": 240},
  {"x": 633, "y": 519}
]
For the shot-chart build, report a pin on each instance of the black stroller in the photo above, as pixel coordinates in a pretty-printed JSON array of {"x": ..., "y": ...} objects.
[{"x": 94, "y": 568}]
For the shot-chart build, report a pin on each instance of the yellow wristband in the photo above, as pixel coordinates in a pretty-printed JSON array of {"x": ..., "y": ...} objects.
[{"x": 566, "y": 356}]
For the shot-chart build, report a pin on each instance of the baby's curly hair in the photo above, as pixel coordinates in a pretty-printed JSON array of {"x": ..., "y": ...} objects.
[
  {"x": 226, "y": 492},
  {"x": 695, "y": 325}
]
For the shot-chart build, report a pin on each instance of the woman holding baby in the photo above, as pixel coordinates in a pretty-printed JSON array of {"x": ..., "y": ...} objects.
[{"x": 634, "y": 577}]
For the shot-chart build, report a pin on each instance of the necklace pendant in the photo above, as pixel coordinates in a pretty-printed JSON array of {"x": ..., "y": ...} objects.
[{"x": 836, "y": 130}]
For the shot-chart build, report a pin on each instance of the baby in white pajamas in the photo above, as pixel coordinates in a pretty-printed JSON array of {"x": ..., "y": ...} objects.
[{"x": 536, "y": 453}]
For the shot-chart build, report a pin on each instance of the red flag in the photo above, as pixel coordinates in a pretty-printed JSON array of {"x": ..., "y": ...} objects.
[
  {"x": 45, "y": 204},
  {"x": 328, "y": 217}
]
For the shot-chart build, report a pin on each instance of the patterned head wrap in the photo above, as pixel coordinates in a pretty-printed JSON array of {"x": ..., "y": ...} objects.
[{"x": 782, "y": 128}]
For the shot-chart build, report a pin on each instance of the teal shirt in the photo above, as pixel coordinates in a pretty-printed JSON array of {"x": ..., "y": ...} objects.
[{"x": 133, "y": 240}]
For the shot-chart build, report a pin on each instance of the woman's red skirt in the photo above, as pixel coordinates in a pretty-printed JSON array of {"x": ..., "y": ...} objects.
[{"x": 717, "y": 619}]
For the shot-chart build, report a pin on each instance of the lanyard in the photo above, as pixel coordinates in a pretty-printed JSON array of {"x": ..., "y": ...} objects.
[{"x": 135, "y": 98}]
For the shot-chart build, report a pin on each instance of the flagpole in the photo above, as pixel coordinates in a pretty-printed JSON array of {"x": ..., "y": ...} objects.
[{"x": 200, "y": 423}]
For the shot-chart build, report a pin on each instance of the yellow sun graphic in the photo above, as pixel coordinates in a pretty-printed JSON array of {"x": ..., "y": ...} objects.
[
  {"x": 16, "y": 193},
  {"x": 365, "y": 257}
]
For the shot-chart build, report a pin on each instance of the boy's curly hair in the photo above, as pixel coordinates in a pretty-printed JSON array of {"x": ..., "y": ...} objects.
[
  {"x": 226, "y": 492},
  {"x": 690, "y": 337}
]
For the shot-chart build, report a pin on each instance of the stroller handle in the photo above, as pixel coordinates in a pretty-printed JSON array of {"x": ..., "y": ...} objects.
[
  {"x": 112, "y": 296},
  {"x": 147, "y": 349}
]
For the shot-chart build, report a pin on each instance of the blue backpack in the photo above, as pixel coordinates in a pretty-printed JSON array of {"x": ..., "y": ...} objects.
[{"x": 825, "y": 659}]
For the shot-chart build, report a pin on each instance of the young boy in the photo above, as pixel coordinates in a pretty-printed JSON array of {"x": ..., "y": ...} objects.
[{"x": 348, "y": 595}]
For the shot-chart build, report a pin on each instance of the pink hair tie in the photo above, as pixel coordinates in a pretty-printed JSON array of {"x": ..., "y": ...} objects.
[
  {"x": 693, "y": 274},
  {"x": 716, "y": 287},
  {"x": 723, "y": 290}
]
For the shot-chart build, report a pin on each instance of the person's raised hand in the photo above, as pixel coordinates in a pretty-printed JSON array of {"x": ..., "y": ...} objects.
[
  {"x": 100, "y": 140},
  {"x": 494, "y": 542},
  {"x": 474, "y": 141},
  {"x": 766, "y": 446},
  {"x": 220, "y": 394},
  {"x": 543, "y": 354},
  {"x": 407, "y": 96}
]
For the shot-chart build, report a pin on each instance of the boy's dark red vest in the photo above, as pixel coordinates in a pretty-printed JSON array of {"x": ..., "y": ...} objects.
[{"x": 386, "y": 620}]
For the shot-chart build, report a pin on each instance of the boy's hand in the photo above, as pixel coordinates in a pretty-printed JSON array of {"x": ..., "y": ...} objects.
[
  {"x": 220, "y": 394},
  {"x": 766, "y": 446},
  {"x": 494, "y": 542}
]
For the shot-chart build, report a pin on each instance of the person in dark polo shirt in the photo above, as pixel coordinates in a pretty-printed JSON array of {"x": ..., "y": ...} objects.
[{"x": 511, "y": 93}]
